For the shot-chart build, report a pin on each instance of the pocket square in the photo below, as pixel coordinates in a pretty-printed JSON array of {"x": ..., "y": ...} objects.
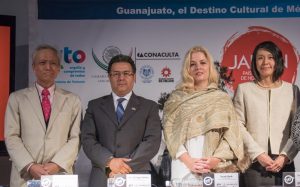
[{"x": 133, "y": 108}]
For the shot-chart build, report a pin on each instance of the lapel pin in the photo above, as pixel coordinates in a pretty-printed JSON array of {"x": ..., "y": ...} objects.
[{"x": 133, "y": 108}]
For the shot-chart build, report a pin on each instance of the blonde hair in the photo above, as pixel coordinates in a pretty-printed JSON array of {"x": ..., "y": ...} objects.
[{"x": 187, "y": 82}]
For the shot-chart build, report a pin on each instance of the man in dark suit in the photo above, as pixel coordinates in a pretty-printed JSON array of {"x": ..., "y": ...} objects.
[{"x": 120, "y": 136}]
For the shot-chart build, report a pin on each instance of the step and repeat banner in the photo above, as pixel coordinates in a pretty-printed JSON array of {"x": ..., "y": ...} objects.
[{"x": 157, "y": 35}]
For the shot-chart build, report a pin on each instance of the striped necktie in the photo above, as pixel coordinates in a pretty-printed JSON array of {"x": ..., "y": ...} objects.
[{"x": 120, "y": 109}]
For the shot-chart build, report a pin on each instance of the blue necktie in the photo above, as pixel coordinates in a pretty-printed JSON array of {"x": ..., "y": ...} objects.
[{"x": 120, "y": 109}]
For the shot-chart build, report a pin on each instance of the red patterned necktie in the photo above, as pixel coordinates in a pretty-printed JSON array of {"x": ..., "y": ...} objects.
[{"x": 46, "y": 104}]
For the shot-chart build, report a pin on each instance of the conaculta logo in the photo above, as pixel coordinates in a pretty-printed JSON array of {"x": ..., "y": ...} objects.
[
  {"x": 157, "y": 55},
  {"x": 237, "y": 54}
]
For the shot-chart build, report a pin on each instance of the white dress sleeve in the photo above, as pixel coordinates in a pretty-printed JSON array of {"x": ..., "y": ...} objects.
[{"x": 194, "y": 147}]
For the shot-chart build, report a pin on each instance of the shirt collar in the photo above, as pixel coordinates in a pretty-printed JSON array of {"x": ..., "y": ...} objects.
[
  {"x": 50, "y": 89},
  {"x": 127, "y": 96}
]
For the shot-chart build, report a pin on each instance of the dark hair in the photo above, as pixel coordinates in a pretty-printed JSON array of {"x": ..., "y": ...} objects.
[
  {"x": 121, "y": 58},
  {"x": 278, "y": 58}
]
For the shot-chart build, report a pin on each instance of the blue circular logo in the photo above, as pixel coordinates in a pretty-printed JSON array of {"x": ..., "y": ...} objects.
[{"x": 146, "y": 73}]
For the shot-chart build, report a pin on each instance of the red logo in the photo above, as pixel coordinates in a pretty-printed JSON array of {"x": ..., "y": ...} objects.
[
  {"x": 166, "y": 72},
  {"x": 237, "y": 54}
]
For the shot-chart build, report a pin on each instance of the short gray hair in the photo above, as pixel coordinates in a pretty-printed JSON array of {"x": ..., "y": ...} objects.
[{"x": 46, "y": 46}]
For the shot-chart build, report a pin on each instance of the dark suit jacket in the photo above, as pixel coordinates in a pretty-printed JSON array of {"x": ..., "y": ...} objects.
[{"x": 136, "y": 137}]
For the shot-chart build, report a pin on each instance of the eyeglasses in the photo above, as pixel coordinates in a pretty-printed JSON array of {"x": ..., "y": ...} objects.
[{"x": 119, "y": 73}]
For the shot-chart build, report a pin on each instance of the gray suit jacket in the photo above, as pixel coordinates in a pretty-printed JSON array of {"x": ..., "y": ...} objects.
[
  {"x": 27, "y": 139},
  {"x": 137, "y": 136}
]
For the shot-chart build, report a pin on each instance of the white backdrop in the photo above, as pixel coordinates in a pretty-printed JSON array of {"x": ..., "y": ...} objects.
[
  {"x": 167, "y": 39},
  {"x": 171, "y": 38}
]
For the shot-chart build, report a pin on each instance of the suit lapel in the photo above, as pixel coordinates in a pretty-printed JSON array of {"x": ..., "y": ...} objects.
[
  {"x": 132, "y": 106},
  {"x": 34, "y": 99},
  {"x": 57, "y": 105},
  {"x": 107, "y": 106}
]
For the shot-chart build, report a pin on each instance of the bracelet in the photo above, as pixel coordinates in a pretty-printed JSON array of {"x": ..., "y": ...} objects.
[{"x": 28, "y": 168}]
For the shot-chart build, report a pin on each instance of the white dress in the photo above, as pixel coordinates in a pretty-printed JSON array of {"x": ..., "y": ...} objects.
[{"x": 179, "y": 170}]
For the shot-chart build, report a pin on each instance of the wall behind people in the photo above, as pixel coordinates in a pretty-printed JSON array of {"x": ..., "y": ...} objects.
[
  {"x": 156, "y": 36},
  {"x": 17, "y": 8}
]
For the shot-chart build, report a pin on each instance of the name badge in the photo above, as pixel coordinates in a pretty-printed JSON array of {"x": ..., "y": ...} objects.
[
  {"x": 291, "y": 178},
  {"x": 59, "y": 181},
  {"x": 132, "y": 180},
  {"x": 33, "y": 183},
  {"x": 221, "y": 180}
]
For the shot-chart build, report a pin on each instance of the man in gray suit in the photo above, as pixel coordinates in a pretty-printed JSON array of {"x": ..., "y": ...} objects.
[
  {"x": 121, "y": 132},
  {"x": 42, "y": 123}
]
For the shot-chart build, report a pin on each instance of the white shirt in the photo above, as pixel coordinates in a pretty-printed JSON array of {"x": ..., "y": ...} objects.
[{"x": 124, "y": 103}]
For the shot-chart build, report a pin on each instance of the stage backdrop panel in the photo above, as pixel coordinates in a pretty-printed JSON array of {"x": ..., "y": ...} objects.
[
  {"x": 7, "y": 53},
  {"x": 157, "y": 36}
]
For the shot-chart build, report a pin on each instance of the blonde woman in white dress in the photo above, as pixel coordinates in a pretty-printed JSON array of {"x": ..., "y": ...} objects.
[{"x": 200, "y": 124}]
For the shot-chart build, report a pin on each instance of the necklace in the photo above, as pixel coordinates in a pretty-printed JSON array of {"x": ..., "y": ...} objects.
[{"x": 273, "y": 85}]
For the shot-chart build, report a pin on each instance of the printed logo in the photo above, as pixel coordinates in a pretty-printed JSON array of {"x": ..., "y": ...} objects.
[
  {"x": 107, "y": 55},
  {"x": 166, "y": 72},
  {"x": 74, "y": 72},
  {"x": 146, "y": 73},
  {"x": 77, "y": 56},
  {"x": 110, "y": 52},
  {"x": 119, "y": 181},
  {"x": 150, "y": 55},
  {"x": 238, "y": 51},
  {"x": 46, "y": 182},
  {"x": 208, "y": 180},
  {"x": 288, "y": 179}
]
